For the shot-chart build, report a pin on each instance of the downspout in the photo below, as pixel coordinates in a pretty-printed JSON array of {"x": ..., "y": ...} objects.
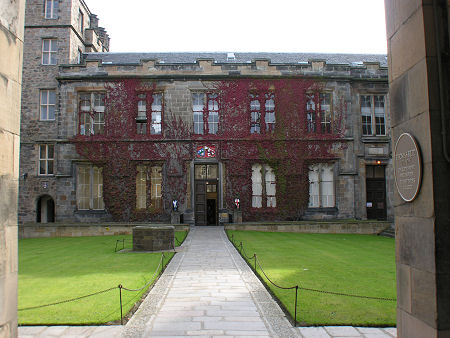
[{"x": 441, "y": 82}]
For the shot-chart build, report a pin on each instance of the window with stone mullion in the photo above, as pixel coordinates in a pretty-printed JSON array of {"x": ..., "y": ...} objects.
[
  {"x": 90, "y": 188},
  {"x": 49, "y": 51},
  {"x": 213, "y": 113},
  {"x": 157, "y": 112},
  {"x": 255, "y": 114},
  {"x": 269, "y": 117},
  {"x": 379, "y": 113},
  {"x": 51, "y": 9},
  {"x": 47, "y": 104},
  {"x": 91, "y": 108},
  {"x": 198, "y": 105},
  {"x": 46, "y": 159}
]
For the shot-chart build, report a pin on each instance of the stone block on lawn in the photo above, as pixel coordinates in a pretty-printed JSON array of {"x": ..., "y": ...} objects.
[{"x": 153, "y": 238}]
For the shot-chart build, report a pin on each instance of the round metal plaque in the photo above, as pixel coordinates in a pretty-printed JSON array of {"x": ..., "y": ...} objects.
[{"x": 407, "y": 167}]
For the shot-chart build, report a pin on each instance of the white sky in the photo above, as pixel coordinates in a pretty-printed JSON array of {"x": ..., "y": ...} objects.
[{"x": 322, "y": 26}]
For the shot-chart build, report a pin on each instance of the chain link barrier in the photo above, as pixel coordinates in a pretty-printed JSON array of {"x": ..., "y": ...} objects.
[
  {"x": 160, "y": 268},
  {"x": 241, "y": 250}
]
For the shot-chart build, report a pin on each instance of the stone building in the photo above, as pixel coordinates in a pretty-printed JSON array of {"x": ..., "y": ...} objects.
[
  {"x": 121, "y": 136},
  {"x": 11, "y": 49},
  {"x": 56, "y": 33}
]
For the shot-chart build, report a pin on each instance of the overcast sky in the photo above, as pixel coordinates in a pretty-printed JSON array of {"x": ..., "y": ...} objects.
[{"x": 322, "y": 26}]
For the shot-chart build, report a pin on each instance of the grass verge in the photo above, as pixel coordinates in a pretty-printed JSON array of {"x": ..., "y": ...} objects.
[
  {"x": 56, "y": 269},
  {"x": 350, "y": 264}
]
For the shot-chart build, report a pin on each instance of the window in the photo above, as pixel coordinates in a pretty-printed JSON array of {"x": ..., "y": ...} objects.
[
  {"x": 49, "y": 50},
  {"x": 256, "y": 113},
  {"x": 51, "y": 9},
  {"x": 319, "y": 115},
  {"x": 143, "y": 185},
  {"x": 270, "y": 112},
  {"x": 46, "y": 159},
  {"x": 321, "y": 186},
  {"x": 206, "y": 121},
  {"x": 92, "y": 113},
  {"x": 373, "y": 115},
  {"x": 141, "y": 119},
  {"x": 213, "y": 113},
  {"x": 90, "y": 188},
  {"x": 80, "y": 22},
  {"x": 79, "y": 56},
  {"x": 311, "y": 113},
  {"x": 156, "y": 104},
  {"x": 263, "y": 188},
  {"x": 47, "y": 104},
  {"x": 156, "y": 114},
  {"x": 325, "y": 112}
]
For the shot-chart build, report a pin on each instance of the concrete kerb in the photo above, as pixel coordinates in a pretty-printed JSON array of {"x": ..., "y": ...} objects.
[
  {"x": 270, "y": 311},
  {"x": 274, "y": 318},
  {"x": 152, "y": 303}
]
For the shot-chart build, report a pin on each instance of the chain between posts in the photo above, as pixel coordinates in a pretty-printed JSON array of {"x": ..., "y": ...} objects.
[
  {"x": 241, "y": 250},
  {"x": 160, "y": 268}
]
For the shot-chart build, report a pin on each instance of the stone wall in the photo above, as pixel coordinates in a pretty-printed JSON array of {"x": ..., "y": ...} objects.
[
  {"x": 11, "y": 51},
  {"x": 333, "y": 227},
  {"x": 418, "y": 49},
  {"x": 39, "y": 230},
  {"x": 55, "y": 132},
  {"x": 349, "y": 169}
]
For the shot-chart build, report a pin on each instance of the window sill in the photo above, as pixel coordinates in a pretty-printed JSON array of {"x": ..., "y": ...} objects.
[
  {"x": 322, "y": 209},
  {"x": 90, "y": 212},
  {"x": 375, "y": 139}
]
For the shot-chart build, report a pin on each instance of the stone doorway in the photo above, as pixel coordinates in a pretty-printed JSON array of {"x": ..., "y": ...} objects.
[
  {"x": 376, "y": 192},
  {"x": 206, "y": 194},
  {"x": 45, "y": 209}
]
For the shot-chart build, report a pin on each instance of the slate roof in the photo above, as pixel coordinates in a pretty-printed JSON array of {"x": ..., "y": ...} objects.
[{"x": 275, "y": 58}]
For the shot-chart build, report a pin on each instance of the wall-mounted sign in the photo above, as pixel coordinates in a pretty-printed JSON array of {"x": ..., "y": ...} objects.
[
  {"x": 407, "y": 167},
  {"x": 206, "y": 152}
]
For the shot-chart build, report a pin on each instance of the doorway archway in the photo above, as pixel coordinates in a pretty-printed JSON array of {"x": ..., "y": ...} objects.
[{"x": 45, "y": 209}]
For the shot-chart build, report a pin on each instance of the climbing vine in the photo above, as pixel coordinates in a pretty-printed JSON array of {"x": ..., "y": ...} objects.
[{"x": 287, "y": 145}]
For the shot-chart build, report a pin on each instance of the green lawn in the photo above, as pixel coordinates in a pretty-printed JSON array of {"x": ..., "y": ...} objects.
[
  {"x": 353, "y": 264},
  {"x": 55, "y": 269}
]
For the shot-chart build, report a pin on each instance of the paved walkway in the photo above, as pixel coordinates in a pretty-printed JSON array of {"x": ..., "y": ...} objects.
[{"x": 207, "y": 291}]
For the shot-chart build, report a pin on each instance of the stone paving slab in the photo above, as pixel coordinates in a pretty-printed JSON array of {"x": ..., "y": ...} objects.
[{"x": 207, "y": 291}]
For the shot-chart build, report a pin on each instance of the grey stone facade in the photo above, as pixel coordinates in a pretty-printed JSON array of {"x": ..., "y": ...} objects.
[
  {"x": 177, "y": 76},
  {"x": 64, "y": 28}
]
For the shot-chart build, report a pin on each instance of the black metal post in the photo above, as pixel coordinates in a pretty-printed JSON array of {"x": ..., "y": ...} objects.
[
  {"x": 121, "y": 313},
  {"x": 295, "y": 311},
  {"x": 254, "y": 255}
]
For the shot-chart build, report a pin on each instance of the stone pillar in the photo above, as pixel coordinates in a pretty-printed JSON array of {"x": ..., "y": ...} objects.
[
  {"x": 419, "y": 96},
  {"x": 11, "y": 51}
]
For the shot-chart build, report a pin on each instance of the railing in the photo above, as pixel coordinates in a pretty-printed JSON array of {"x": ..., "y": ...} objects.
[
  {"x": 152, "y": 280},
  {"x": 248, "y": 258}
]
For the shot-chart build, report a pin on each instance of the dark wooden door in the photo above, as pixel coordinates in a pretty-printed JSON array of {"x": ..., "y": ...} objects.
[
  {"x": 200, "y": 203},
  {"x": 376, "y": 193}
]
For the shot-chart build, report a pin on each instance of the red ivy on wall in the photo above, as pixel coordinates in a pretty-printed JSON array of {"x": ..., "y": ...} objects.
[{"x": 288, "y": 148}]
